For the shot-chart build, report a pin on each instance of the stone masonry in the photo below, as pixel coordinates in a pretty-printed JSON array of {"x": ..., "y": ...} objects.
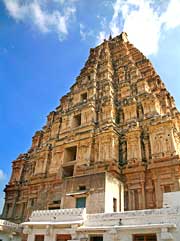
[{"x": 118, "y": 119}]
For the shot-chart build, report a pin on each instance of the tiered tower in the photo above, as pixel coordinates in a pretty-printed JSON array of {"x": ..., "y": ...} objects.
[{"x": 114, "y": 136}]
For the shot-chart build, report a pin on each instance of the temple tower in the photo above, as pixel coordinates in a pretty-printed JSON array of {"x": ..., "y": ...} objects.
[{"x": 117, "y": 132}]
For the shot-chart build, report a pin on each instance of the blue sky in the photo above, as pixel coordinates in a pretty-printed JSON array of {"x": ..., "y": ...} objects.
[{"x": 44, "y": 44}]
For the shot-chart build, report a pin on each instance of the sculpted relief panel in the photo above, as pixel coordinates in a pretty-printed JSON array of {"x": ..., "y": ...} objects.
[
  {"x": 65, "y": 123},
  {"x": 16, "y": 174},
  {"x": 130, "y": 112},
  {"x": 108, "y": 148},
  {"x": 84, "y": 153},
  {"x": 142, "y": 87},
  {"x": 177, "y": 141},
  {"x": 133, "y": 146},
  {"x": 55, "y": 129},
  {"x": 88, "y": 116},
  {"x": 27, "y": 172},
  {"x": 121, "y": 74},
  {"x": 151, "y": 106},
  {"x": 46, "y": 136},
  {"x": 41, "y": 162},
  {"x": 56, "y": 161},
  {"x": 108, "y": 113},
  {"x": 162, "y": 142},
  {"x": 104, "y": 149},
  {"x": 64, "y": 103},
  {"x": 37, "y": 139},
  {"x": 125, "y": 91}
]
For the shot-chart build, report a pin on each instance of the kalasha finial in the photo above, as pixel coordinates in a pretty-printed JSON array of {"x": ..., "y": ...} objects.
[{"x": 124, "y": 37}]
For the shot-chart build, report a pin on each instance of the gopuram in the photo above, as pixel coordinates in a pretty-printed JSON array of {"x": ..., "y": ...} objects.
[{"x": 112, "y": 144}]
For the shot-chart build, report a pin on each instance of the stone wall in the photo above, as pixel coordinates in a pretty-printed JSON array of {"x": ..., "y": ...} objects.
[
  {"x": 119, "y": 118},
  {"x": 10, "y": 231},
  {"x": 163, "y": 223}
]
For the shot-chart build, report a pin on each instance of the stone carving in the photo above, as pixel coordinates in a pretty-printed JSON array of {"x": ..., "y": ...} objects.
[
  {"x": 130, "y": 112},
  {"x": 56, "y": 161},
  {"x": 84, "y": 153},
  {"x": 40, "y": 166},
  {"x": 124, "y": 115},
  {"x": 133, "y": 146},
  {"x": 162, "y": 142},
  {"x": 16, "y": 174},
  {"x": 125, "y": 91}
]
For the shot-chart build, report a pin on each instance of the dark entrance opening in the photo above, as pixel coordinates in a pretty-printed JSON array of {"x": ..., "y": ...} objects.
[
  {"x": 63, "y": 237},
  {"x": 39, "y": 237},
  {"x": 144, "y": 237},
  {"x": 96, "y": 238}
]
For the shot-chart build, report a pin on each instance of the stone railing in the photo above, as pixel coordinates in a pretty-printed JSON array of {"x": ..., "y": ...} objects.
[
  {"x": 74, "y": 214},
  {"x": 139, "y": 217},
  {"x": 169, "y": 212},
  {"x": 8, "y": 225},
  {"x": 171, "y": 199}
]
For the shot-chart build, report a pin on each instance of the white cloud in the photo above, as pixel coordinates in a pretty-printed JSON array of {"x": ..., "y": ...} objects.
[
  {"x": 143, "y": 20},
  {"x": 40, "y": 18},
  {"x": 16, "y": 11},
  {"x": 143, "y": 27},
  {"x": 38, "y": 12},
  {"x": 1, "y": 202},
  {"x": 101, "y": 36},
  {"x": 83, "y": 33},
  {"x": 114, "y": 24},
  {"x": 2, "y": 175},
  {"x": 171, "y": 17}
]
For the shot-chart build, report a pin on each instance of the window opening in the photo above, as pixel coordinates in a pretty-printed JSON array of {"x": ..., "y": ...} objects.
[
  {"x": 70, "y": 154},
  {"x": 68, "y": 171},
  {"x": 57, "y": 202},
  {"x": 114, "y": 205},
  {"x": 81, "y": 202},
  {"x": 77, "y": 120},
  {"x": 84, "y": 97},
  {"x": 54, "y": 205},
  {"x": 53, "y": 208},
  {"x": 82, "y": 188}
]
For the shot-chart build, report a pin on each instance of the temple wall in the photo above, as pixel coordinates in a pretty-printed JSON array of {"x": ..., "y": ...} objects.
[
  {"x": 118, "y": 118},
  {"x": 111, "y": 226}
]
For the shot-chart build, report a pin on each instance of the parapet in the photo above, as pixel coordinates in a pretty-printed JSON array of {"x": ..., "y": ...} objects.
[{"x": 171, "y": 200}]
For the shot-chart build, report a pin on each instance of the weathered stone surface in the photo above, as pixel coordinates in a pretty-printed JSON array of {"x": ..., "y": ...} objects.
[
  {"x": 153, "y": 224},
  {"x": 117, "y": 118}
]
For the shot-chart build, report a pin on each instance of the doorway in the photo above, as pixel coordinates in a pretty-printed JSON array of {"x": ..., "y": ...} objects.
[
  {"x": 96, "y": 238},
  {"x": 63, "y": 237},
  {"x": 144, "y": 237}
]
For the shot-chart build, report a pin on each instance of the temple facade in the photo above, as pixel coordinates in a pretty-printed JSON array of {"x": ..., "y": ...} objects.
[
  {"x": 139, "y": 225},
  {"x": 10, "y": 231},
  {"x": 112, "y": 144}
]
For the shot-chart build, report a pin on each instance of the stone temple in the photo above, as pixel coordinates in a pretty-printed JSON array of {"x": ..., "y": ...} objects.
[{"x": 112, "y": 144}]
